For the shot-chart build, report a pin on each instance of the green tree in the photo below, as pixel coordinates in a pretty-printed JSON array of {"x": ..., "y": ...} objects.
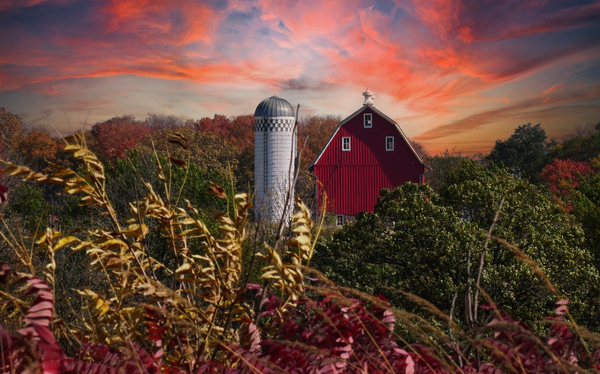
[
  {"x": 525, "y": 152},
  {"x": 423, "y": 242},
  {"x": 27, "y": 205},
  {"x": 586, "y": 209},
  {"x": 411, "y": 243},
  {"x": 530, "y": 221},
  {"x": 442, "y": 165},
  {"x": 579, "y": 148}
]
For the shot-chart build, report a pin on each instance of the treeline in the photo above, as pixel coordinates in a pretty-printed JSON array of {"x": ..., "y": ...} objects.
[
  {"x": 220, "y": 149},
  {"x": 227, "y": 139}
]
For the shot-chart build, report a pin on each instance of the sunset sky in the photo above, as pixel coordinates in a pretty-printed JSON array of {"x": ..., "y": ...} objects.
[{"x": 453, "y": 74}]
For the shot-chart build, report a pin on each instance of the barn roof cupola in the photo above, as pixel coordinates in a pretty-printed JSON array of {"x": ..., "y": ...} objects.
[{"x": 369, "y": 96}]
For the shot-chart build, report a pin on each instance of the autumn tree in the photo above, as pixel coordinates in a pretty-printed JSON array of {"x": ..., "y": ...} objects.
[
  {"x": 218, "y": 125},
  {"x": 563, "y": 176},
  {"x": 241, "y": 135},
  {"x": 113, "y": 138},
  {"x": 317, "y": 129},
  {"x": 238, "y": 132},
  {"x": 11, "y": 130},
  {"x": 36, "y": 148}
]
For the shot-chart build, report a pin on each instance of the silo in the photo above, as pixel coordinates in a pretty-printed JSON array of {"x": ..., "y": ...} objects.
[{"x": 275, "y": 153}]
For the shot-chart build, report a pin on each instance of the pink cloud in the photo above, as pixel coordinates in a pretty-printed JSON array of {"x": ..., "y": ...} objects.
[{"x": 434, "y": 57}]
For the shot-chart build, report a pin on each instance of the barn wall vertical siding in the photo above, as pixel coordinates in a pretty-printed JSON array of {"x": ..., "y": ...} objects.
[{"x": 352, "y": 180}]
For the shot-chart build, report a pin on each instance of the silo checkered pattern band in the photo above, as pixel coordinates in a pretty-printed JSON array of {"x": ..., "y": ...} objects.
[{"x": 274, "y": 124}]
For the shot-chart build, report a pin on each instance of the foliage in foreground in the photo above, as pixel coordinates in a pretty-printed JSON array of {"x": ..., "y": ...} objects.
[
  {"x": 332, "y": 335},
  {"x": 198, "y": 313}
]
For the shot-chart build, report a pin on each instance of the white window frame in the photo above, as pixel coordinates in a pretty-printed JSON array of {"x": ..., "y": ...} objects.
[
  {"x": 344, "y": 148},
  {"x": 339, "y": 220},
  {"x": 368, "y": 123},
  {"x": 387, "y": 138}
]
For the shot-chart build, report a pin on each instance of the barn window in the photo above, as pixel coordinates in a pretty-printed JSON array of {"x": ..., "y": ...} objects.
[
  {"x": 389, "y": 143},
  {"x": 345, "y": 143},
  {"x": 339, "y": 220},
  {"x": 368, "y": 120}
]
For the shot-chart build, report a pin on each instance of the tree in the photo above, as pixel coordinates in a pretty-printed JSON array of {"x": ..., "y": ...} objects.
[
  {"x": 206, "y": 151},
  {"x": 237, "y": 132},
  {"x": 442, "y": 165},
  {"x": 586, "y": 209},
  {"x": 579, "y": 148},
  {"x": 420, "y": 149},
  {"x": 36, "y": 148},
  {"x": 113, "y": 138},
  {"x": 422, "y": 242},
  {"x": 241, "y": 136},
  {"x": 217, "y": 125},
  {"x": 563, "y": 176},
  {"x": 525, "y": 152},
  {"x": 11, "y": 130},
  {"x": 411, "y": 243},
  {"x": 317, "y": 129},
  {"x": 160, "y": 121},
  {"x": 531, "y": 221}
]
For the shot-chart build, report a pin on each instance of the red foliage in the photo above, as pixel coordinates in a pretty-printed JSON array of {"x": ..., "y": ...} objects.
[
  {"x": 218, "y": 125},
  {"x": 325, "y": 336},
  {"x": 564, "y": 175},
  {"x": 116, "y": 136},
  {"x": 315, "y": 337},
  {"x": 236, "y": 131}
]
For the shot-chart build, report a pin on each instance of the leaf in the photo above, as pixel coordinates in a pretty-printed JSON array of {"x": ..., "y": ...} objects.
[
  {"x": 178, "y": 142},
  {"x": 134, "y": 231},
  {"x": 64, "y": 241},
  {"x": 113, "y": 242},
  {"x": 217, "y": 191},
  {"x": 178, "y": 162},
  {"x": 183, "y": 269}
]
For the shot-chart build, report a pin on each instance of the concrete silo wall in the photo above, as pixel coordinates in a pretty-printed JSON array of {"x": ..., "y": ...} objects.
[{"x": 274, "y": 152}]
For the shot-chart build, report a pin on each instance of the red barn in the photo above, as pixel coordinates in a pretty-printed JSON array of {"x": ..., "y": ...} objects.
[{"x": 366, "y": 152}]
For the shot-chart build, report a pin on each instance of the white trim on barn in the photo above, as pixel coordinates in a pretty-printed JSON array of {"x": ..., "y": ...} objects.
[
  {"x": 375, "y": 110},
  {"x": 389, "y": 143}
]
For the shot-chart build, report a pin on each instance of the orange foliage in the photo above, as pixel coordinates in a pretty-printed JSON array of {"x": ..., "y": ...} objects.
[{"x": 38, "y": 147}]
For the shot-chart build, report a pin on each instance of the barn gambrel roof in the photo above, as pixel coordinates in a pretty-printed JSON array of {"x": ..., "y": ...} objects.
[{"x": 375, "y": 110}]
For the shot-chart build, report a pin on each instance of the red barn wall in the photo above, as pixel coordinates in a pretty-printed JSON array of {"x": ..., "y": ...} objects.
[{"x": 352, "y": 180}]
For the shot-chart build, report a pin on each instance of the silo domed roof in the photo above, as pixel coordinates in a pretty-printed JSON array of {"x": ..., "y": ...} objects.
[{"x": 274, "y": 107}]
